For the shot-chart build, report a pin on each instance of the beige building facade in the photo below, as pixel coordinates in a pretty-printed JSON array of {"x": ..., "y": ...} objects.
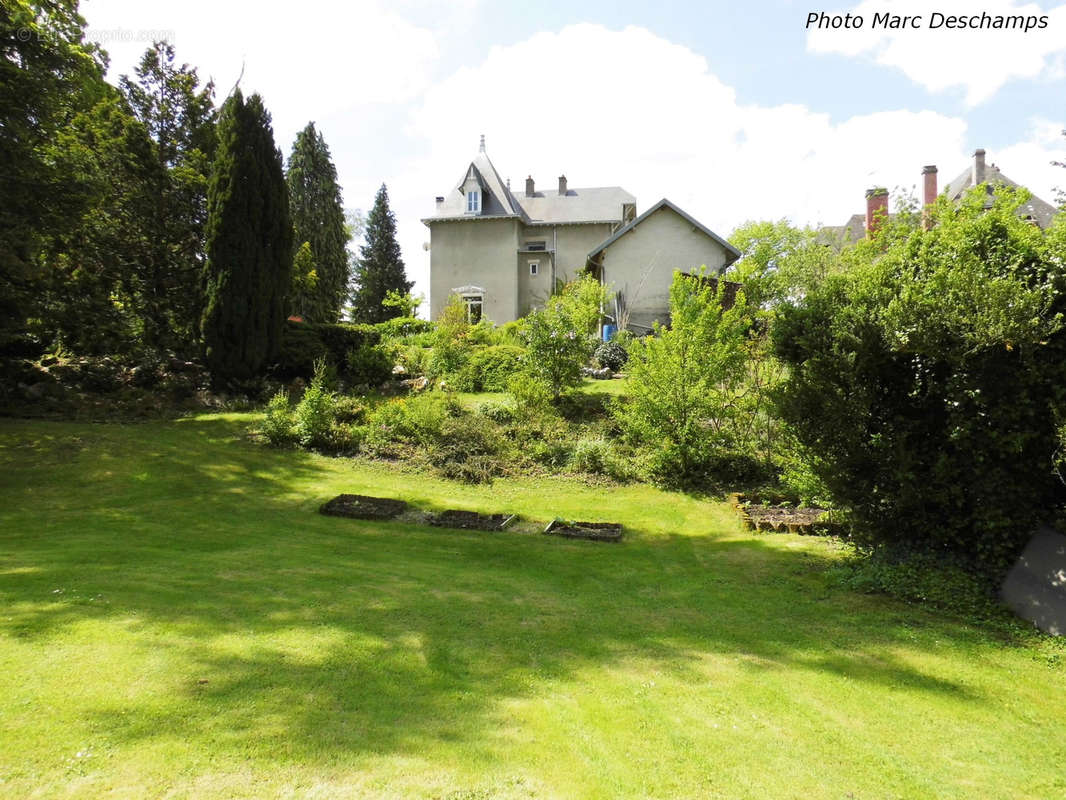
[{"x": 502, "y": 251}]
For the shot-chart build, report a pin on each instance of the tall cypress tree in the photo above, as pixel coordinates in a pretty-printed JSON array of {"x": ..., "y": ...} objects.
[
  {"x": 318, "y": 219},
  {"x": 380, "y": 267},
  {"x": 249, "y": 244}
]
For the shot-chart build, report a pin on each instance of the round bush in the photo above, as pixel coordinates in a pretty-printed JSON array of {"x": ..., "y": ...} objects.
[{"x": 611, "y": 355}]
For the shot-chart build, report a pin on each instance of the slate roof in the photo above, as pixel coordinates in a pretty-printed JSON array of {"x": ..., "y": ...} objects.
[
  {"x": 1039, "y": 210},
  {"x": 732, "y": 254},
  {"x": 596, "y": 204}
]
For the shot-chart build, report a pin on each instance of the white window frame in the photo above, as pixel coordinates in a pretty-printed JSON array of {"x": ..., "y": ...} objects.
[
  {"x": 471, "y": 300},
  {"x": 534, "y": 268},
  {"x": 473, "y": 201}
]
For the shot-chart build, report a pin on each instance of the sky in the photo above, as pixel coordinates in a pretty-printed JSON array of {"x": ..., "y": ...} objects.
[{"x": 733, "y": 110}]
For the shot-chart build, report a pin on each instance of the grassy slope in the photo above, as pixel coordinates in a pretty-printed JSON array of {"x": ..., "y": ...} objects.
[{"x": 177, "y": 621}]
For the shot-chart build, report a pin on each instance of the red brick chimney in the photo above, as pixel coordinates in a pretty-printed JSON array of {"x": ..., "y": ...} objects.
[
  {"x": 876, "y": 208},
  {"x": 929, "y": 192}
]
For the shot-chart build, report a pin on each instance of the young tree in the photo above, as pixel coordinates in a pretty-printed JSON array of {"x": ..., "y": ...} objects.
[
  {"x": 180, "y": 119},
  {"x": 318, "y": 219},
  {"x": 560, "y": 337},
  {"x": 684, "y": 378},
  {"x": 249, "y": 244},
  {"x": 380, "y": 267}
]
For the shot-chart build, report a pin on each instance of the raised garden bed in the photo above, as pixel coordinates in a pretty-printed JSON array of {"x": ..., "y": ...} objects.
[
  {"x": 358, "y": 506},
  {"x": 778, "y": 518},
  {"x": 594, "y": 531},
  {"x": 471, "y": 520}
]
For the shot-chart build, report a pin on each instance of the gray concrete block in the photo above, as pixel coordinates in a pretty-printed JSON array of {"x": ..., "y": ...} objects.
[{"x": 1035, "y": 588}]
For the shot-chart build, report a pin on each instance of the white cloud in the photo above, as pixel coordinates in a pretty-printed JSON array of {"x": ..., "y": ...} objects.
[
  {"x": 306, "y": 59},
  {"x": 980, "y": 61}
]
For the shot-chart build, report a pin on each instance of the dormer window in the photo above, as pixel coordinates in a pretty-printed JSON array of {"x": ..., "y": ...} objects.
[{"x": 473, "y": 202}]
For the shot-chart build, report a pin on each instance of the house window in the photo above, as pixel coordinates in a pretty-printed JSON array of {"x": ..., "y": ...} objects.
[
  {"x": 541, "y": 245},
  {"x": 473, "y": 303},
  {"x": 473, "y": 202},
  {"x": 534, "y": 267}
]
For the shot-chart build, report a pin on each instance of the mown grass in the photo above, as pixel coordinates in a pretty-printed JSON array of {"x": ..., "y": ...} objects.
[{"x": 179, "y": 622}]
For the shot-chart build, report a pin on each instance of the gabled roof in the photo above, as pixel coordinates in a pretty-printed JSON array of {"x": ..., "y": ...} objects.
[
  {"x": 732, "y": 254},
  {"x": 1039, "y": 210}
]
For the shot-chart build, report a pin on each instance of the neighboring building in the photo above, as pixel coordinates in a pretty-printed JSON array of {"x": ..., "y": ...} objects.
[
  {"x": 1036, "y": 210},
  {"x": 639, "y": 260},
  {"x": 504, "y": 252}
]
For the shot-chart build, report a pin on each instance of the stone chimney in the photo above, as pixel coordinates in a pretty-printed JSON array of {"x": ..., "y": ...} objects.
[
  {"x": 876, "y": 208},
  {"x": 529, "y": 186},
  {"x": 562, "y": 185},
  {"x": 929, "y": 192},
  {"x": 978, "y": 166}
]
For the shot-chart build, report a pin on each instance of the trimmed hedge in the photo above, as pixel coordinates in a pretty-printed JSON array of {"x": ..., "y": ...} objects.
[{"x": 302, "y": 343}]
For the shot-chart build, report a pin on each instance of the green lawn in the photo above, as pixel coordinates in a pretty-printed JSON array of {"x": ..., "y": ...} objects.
[{"x": 177, "y": 621}]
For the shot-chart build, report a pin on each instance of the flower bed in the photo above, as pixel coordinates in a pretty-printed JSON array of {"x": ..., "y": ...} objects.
[
  {"x": 594, "y": 531},
  {"x": 471, "y": 520},
  {"x": 358, "y": 506}
]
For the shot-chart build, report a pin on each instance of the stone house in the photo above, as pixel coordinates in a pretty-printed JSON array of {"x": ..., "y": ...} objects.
[{"x": 503, "y": 252}]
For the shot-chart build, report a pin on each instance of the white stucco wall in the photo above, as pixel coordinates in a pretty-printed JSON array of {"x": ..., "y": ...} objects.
[
  {"x": 479, "y": 253},
  {"x": 641, "y": 264}
]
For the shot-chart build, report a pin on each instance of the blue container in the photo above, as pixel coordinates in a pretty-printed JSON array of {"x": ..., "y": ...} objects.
[{"x": 608, "y": 332}]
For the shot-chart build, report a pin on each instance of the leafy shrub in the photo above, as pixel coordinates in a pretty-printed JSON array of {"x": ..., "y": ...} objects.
[
  {"x": 305, "y": 343},
  {"x": 401, "y": 327},
  {"x": 941, "y": 582},
  {"x": 554, "y": 453},
  {"x": 593, "y": 455},
  {"x": 532, "y": 397},
  {"x": 368, "y": 365},
  {"x": 924, "y": 382},
  {"x": 499, "y": 413},
  {"x": 489, "y": 369},
  {"x": 451, "y": 340},
  {"x": 315, "y": 413},
  {"x": 349, "y": 410},
  {"x": 583, "y": 406},
  {"x": 278, "y": 425},
  {"x": 466, "y": 449},
  {"x": 611, "y": 355}
]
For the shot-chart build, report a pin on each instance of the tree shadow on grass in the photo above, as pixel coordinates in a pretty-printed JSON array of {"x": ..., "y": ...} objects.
[{"x": 313, "y": 637}]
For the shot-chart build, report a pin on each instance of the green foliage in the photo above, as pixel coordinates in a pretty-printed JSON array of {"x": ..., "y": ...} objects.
[
  {"x": 555, "y": 347},
  {"x": 451, "y": 340},
  {"x": 316, "y": 412},
  {"x": 598, "y": 456},
  {"x": 368, "y": 365},
  {"x": 611, "y": 355},
  {"x": 318, "y": 220},
  {"x": 180, "y": 119},
  {"x": 49, "y": 75},
  {"x": 780, "y": 262},
  {"x": 278, "y": 424},
  {"x": 405, "y": 303},
  {"x": 489, "y": 369},
  {"x": 399, "y": 327},
  {"x": 924, "y": 382},
  {"x": 923, "y": 578},
  {"x": 249, "y": 245},
  {"x": 465, "y": 449},
  {"x": 304, "y": 283},
  {"x": 684, "y": 378},
  {"x": 380, "y": 268}
]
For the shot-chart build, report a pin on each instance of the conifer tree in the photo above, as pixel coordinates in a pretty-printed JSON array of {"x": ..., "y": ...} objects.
[
  {"x": 249, "y": 244},
  {"x": 180, "y": 119},
  {"x": 380, "y": 267},
  {"x": 318, "y": 220}
]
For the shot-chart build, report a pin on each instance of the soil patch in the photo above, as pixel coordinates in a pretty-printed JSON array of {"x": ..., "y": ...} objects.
[
  {"x": 594, "y": 531},
  {"x": 471, "y": 520},
  {"x": 358, "y": 506}
]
